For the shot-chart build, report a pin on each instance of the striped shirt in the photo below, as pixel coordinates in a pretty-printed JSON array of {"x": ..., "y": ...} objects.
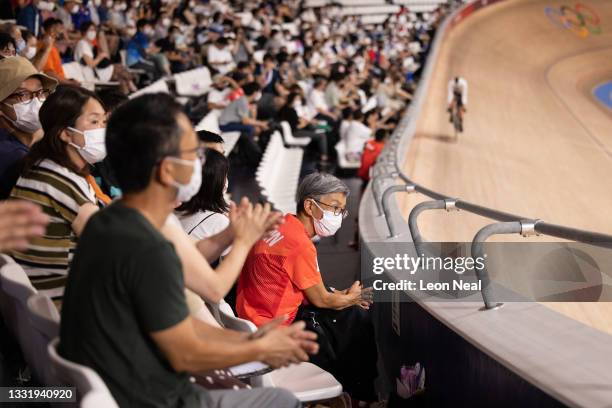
[{"x": 60, "y": 192}]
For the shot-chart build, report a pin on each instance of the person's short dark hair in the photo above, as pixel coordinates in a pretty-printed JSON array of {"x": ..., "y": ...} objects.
[
  {"x": 242, "y": 65},
  {"x": 251, "y": 88},
  {"x": 209, "y": 137},
  {"x": 210, "y": 197},
  {"x": 111, "y": 98},
  {"x": 238, "y": 76},
  {"x": 318, "y": 81},
  {"x": 61, "y": 110},
  {"x": 268, "y": 57},
  {"x": 49, "y": 23},
  {"x": 380, "y": 135},
  {"x": 282, "y": 57},
  {"x": 141, "y": 23},
  {"x": 85, "y": 27},
  {"x": 357, "y": 114},
  {"x": 5, "y": 40},
  {"x": 221, "y": 41},
  {"x": 140, "y": 133},
  {"x": 347, "y": 112},
  {"x": 26, "y": 35}
]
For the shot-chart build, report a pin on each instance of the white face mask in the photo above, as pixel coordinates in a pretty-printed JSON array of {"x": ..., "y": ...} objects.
[
  {"x": 297, "y": 104},
  {"x": 91, "y": 35},
  {"x": 27, "y": 115},
  {"x": 187, "y": 191},
  {"x": 94, "y": 150},
  {"x": 328, "y": 225},
  {"x": 74, "y": 9},
  {"x": 166, "y": 22},
  {"x": 30, "y": 53}
]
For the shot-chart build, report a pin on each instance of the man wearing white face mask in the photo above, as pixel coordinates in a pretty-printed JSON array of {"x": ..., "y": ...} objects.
[
  {"x": 282, "y": 273},
  {"x": 22, "y": 92}
]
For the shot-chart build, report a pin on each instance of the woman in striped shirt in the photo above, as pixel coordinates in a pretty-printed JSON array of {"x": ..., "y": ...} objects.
[{"x": 56, "y": 176}]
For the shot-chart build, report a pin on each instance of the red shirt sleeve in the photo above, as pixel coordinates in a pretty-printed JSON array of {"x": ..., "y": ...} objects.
[{"x": 305, "y": 272}]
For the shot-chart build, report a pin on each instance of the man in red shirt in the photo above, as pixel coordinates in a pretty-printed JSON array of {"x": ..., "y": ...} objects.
[{"x": 281, "y": 278}]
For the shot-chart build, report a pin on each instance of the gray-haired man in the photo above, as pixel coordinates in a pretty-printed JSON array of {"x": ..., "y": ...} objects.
[{"x": 281, "y": 272}]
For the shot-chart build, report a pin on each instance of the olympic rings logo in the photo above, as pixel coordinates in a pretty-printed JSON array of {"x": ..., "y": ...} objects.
[{"x": 581, "y": 20}]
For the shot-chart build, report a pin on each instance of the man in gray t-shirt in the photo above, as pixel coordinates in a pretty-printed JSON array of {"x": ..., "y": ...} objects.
[{"x": 236, "y": 118}]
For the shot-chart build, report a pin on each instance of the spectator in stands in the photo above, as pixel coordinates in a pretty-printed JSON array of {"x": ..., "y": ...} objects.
[
  {"x": 237, "y": 116},
  {"x": 22, "y": 92},
  {"x": 50, "y": 56},
  {"x": 301, "y": 127},
  {"x": 206, "y": 213},
  {"x": 142, "y": 337},
  {"x": 220, "y": 57},
  {"x": 28, "y": 16},
  {"x": 31, "y": 47},
  {"x": 316, "y": 100},
  {"x": 282, "y": 272},
  {"x": 218, "y": 95},
  {"x": 357, "y": 134},
  {"x": 15, "y": 32},
  {"x": 143, "y": 54},
  {"x": 65, "y": 13},
  {"x": 211, "y": 140},
  {"x": 371, "y": 150},
  {"x": 8, "y": 47},
  {"x": 20, "y": 221},
  {"x": 90, "y": 53},
  {"x": 56, "y": 176},
  {"x": 174, "y": 46}
]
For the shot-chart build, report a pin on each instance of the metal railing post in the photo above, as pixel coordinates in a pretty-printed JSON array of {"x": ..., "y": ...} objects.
[
  {"x": 375, "y": 192},
  {"x": 448, "y": 205},
  {"x": 386, "y": 199},
  {"x": 525, "y": 228}
]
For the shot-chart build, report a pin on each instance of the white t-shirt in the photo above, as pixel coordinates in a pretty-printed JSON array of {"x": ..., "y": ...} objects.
[
  {"x": 216, "y": 55},
  {"x": 357, "y": 134},
  {"x": 316, "y": 99},
  {"x": 84, "y": 48},
  {"x": 204, "y": 224}
]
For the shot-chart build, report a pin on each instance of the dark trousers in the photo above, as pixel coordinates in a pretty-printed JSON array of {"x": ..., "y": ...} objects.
[
  {"x": 347, "y": 347},
  {"x": 247, "y": 130}
]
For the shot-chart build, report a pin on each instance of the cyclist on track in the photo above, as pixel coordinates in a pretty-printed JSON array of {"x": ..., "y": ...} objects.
[{"x": 457, "y": 96}]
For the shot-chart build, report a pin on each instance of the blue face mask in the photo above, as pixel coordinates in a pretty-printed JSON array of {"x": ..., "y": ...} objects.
[
  {"x": 21, "y": 44},
  {"x": 179, "y": 39}
]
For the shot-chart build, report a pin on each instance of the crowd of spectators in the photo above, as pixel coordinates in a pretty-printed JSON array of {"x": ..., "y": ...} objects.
[{"x": 86, "y": 168}]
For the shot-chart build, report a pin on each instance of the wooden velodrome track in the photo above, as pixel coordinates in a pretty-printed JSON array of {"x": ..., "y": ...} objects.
[{"x": 536, "y": 142}]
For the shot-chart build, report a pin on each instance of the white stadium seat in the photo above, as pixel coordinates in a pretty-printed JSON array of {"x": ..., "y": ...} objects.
[
  {"x": 195, "y": 82},
  {"x": 92, "y": 391},
  {"x": 210, "y": 122},
  {"x": 158, "y": 86},
  {"x": 279, "y": 172},
  {"x": 45, "y": 318},
  {"x": 84, "y": 75},
  {"x": 15, "y": 290},
  {"x": 305, "y": 380},
  {"x": 290, "y": 139}
]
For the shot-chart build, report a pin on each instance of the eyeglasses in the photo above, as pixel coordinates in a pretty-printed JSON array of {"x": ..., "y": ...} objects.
[
  {"x": 200, "y": 151},
  {"x": 336, "y": 210},
  {"x": 27, "y": 96}
]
